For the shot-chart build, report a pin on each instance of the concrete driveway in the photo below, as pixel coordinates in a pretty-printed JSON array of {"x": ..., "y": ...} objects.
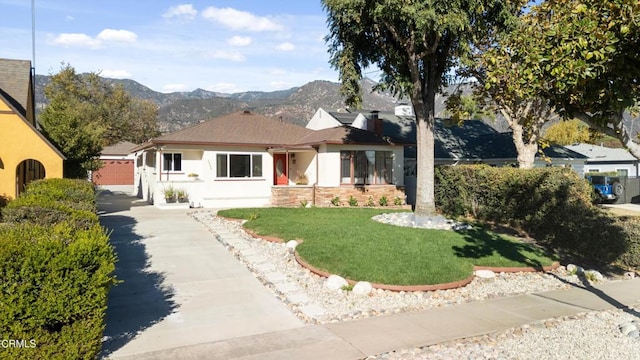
[{"x": 180, "y": 287}]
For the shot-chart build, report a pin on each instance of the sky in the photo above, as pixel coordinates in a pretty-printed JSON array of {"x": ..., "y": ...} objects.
[{"x": 223, "y": 46}]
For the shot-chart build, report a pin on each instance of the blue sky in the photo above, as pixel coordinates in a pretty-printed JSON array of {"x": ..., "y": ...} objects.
[{"x": 225, "y": 46}]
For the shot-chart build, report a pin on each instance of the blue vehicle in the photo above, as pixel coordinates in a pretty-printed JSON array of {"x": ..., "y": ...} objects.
[{"x": 609, "y": 188}]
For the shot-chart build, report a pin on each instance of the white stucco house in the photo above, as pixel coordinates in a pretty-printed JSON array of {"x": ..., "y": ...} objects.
[
  {"x": 245, "y": 159},
  {"x": 607, "y": 160}
]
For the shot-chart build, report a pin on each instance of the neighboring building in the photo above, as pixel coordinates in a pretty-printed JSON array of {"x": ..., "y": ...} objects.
[
  {"x": 604, "y": 159},
  {"x": 117, "y": 165},
  {"x": 471, "y": 142},
  {"x": 245, "y": 159},
  {"x": 25, "y": 154}
]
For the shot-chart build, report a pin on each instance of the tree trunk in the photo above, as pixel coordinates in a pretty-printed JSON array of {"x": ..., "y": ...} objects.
[
  {"x": 425, "y": 146},
  {"x": 526, "y": 151}
]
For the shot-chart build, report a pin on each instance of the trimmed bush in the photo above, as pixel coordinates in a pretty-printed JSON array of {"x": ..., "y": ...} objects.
[
  {"x": 55, "y": 282},
  {"x": 631, "y": 226},
  {"x": 56, "y": 268},
  {"x": 553, "y": 205}
]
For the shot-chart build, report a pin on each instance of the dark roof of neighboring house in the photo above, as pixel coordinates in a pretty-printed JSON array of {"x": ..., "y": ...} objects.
[
  {"x": 121, "y": 148},
  {"x": 239, "y": 128},
  {"x": 472, "y": 140},
  {"x": 347, "y": 135},
  {"x": 15, "y": 79},
  {"x": 346, "y": 118}
]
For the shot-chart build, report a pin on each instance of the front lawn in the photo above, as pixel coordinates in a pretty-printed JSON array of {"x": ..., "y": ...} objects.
[{"x": 347, "y": 242}]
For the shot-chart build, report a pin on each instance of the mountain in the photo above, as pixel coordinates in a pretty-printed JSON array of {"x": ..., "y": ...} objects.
[{"x": 296, "y": 105}]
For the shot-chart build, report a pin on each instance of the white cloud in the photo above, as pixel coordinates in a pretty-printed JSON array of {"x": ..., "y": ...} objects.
[
  {"x": 75, "y": 40},
  {"x": 226, "y": 55},
  {"x": 239, "y": 41},
  {"x": 186, "y": 11},
  {"x": 115, "y": 74},
  {"x": 227, "y": 88},
  {"x": 240, "y": 20},
  {"x": 174, "y": 87},
  {"x": 85, "y": 41},
  {"x": 286, "y": 46},
  {"x": 69, "y": 18},
  {"x": 124, "y": 36},
  {"x": 277, "y": 72}
]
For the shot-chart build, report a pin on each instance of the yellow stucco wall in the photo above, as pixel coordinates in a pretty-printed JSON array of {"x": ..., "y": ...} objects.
[{"x": 18, "y": 142}]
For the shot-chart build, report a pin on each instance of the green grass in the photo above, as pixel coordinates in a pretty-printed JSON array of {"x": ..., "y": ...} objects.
[{"x": 347, "y": 242}]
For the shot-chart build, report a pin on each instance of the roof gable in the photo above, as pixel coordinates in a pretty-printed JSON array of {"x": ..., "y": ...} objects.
[{"x": 15, "y": 82}]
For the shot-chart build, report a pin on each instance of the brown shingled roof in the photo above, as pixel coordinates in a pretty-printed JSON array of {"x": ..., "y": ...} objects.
[
  {"x": 239, "y": 128},
  {"x": 121, "y": 148},
  {"x": 15, "y": 79}
]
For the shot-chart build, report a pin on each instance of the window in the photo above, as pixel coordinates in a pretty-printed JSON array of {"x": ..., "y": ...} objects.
[
  {"x": 238, "y": 165},
  {"x": 366, "y": 167},
  {"x": 623, "y": 172},
  {"x": 172, "y": 162}
]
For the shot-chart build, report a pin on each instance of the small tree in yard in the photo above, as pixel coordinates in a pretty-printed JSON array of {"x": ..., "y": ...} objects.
[
  {"x": 588, "y": 54},
  {"x": 415, "y": 44}
]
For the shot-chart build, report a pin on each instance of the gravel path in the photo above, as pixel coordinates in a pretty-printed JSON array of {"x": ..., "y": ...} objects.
[{"x": 590, "y": 335}]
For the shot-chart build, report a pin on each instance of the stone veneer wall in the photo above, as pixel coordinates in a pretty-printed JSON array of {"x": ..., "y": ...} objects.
[{"x": 293, "y": 195}]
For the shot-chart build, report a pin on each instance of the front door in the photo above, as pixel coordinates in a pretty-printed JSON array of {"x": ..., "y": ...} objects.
[{"x": 280, "y": 169}]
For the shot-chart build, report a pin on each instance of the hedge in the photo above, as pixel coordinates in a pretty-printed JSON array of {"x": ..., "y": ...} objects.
[
  {"x": 553, "y": 205},
  {"x": 55, "y": 273}
]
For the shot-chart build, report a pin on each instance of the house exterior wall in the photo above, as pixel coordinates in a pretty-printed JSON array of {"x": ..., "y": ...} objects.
[
  {"x": 632, "y": 169},
  {"x": 205, "y": 190},
  {"x": 322, "y": 120},
  {"x": 18, "y": 142}
]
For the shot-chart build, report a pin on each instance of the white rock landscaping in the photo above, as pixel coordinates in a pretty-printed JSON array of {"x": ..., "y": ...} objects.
[
  {"x": 362, "y": 288},
  {"x": 336, "y": 282},
  {"x": 485, "y": 274}
]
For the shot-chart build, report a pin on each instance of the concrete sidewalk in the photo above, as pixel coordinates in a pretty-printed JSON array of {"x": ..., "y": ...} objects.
[
  {"x": 186, "y": 297},
  {"x": 387, "y": 333}
]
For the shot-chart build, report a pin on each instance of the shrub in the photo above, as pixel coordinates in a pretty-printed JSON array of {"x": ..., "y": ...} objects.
[
  {"x": 353, "y": 201},
  {"x": 370, "y": 202},
  {"x": 383, "y": 201},
  {"x": 335, "y": 201},
  {"x": 397, "y": 201},
  {"x": 72, "y": 192},
  {"x": 551, "y": 204},
  {"x": 55, "y": 282},
  {"x": 631, "y": 228},
  {"x": 45, "y": 211}
]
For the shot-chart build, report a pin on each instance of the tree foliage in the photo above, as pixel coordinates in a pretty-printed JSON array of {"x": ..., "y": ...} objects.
[
  {"x": 85, "y": 113},
  {"x": 415, "y": 44},
  {"x": 570, "y": 132},
  {"x": 588, "y": 52}
]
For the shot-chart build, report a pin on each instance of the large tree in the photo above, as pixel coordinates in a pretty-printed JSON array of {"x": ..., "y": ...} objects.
[
  {"x": 415, "y": 43},
  {"x": 84, "y": 113},
  {"x": 589, "y": 54}
]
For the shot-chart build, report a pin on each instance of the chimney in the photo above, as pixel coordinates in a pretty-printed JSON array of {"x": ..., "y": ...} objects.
[{"x": 374, "y": 123}]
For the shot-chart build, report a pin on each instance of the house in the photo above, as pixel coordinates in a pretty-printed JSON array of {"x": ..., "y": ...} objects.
[
  {"x": 25, "y": 154},
  {"x": 604, "y": 159},
  {"x": 471, "y": 142},
  {"x": 117, "y": 165},
  {"x": 245, "y": 159}
]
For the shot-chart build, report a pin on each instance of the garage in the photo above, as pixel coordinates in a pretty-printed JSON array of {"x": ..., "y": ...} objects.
[{"x": 117, "y": 166}]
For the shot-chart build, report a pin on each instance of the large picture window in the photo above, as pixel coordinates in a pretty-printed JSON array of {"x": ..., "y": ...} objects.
[
  {"x": 172, "y": 162},
  {"x": 238, "y": 165},
  {"x": 366, "y": 167}
]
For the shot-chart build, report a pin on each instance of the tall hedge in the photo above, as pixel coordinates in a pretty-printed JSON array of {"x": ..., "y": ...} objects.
[
  {"x": 55, "y": 274},
  {"x": 553, "y": 205}
]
